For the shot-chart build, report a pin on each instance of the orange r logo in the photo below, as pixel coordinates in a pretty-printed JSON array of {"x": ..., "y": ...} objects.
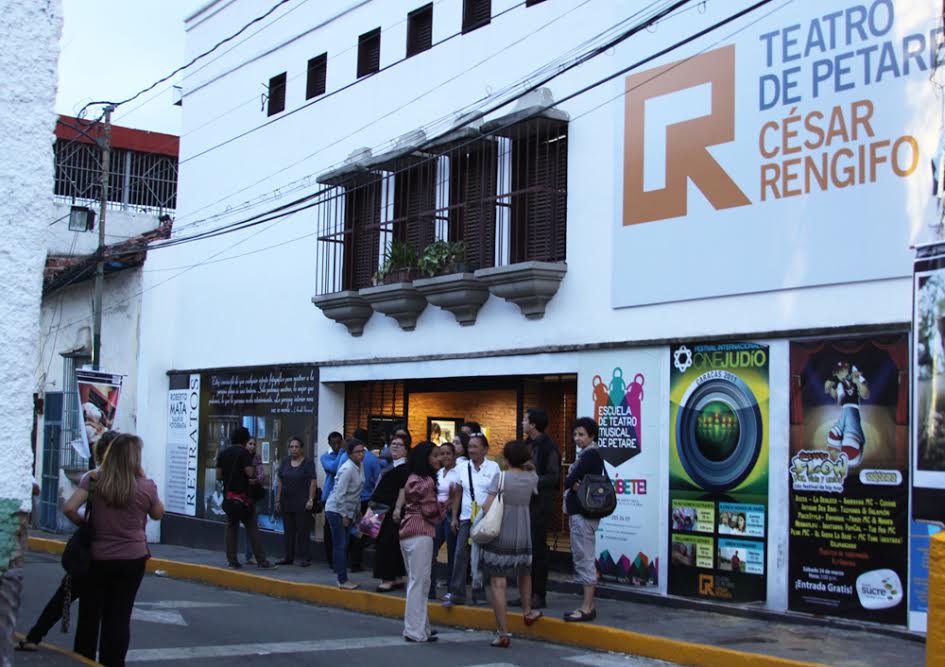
[
  {"x": 686, "y": 141},
  {"x": 707, "y": 585}
]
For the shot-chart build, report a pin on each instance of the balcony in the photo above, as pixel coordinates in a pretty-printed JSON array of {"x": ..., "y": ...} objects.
[{"x": 447, "y": 222}]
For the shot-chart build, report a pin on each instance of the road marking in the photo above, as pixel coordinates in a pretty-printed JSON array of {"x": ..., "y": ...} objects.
[
  {"x": 165, "y": 616},
  {"x": 183, "y": 604},
  {"x": 614, "y": 660},
  {"x": 268, "y": 648}
]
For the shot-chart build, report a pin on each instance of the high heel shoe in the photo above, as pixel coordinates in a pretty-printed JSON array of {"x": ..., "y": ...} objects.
[
  {"x": 531, "y": 617},
  {"x": 501, "y": 641}
]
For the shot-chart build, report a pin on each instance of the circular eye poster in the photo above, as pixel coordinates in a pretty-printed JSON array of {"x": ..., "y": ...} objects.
[{"x": 718, "y": 481}]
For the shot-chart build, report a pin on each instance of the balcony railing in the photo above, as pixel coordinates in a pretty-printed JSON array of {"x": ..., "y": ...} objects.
[{"x": 502, "y": 191}]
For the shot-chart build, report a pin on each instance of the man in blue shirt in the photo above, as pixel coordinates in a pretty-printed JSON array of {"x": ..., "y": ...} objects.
[{"x": 331, "y": 461}]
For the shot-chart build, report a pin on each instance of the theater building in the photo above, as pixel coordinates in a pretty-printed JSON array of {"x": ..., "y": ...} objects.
[{"x": 456, "y": 211}]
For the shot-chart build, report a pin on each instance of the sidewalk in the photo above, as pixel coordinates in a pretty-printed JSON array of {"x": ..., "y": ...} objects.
[{"x": 680, "y": 635}]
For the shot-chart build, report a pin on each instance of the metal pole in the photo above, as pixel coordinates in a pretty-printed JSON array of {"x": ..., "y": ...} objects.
[{"x": 100, "y": 265}]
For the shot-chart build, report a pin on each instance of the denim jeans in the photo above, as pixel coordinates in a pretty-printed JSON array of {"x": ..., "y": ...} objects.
[
  {"x": 443, "y": 534},
  {"x": 339, "y": 545}
]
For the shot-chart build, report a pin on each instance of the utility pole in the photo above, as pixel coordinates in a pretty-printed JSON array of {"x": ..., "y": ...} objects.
[{"x": 100, "y": 265}]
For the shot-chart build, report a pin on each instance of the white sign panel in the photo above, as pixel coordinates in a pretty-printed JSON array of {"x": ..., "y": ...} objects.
[
  {"x": 621, "y": 391},
  {"x": 183, "y": 429},
  {"x": 795, "y": 152}
]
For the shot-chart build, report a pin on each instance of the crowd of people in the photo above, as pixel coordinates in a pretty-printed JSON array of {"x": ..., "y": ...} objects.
[{"x": 411, "y": 499}]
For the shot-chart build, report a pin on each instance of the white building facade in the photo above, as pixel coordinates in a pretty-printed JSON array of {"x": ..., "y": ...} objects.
[{"x": 684, "y": 219}]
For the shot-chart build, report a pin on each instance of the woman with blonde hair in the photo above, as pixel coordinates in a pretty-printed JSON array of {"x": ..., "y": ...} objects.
[{"x": 119, "y": 498}]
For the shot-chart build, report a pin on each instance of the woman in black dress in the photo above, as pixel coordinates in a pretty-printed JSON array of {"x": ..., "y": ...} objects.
[{"x": 388, "y": 560}]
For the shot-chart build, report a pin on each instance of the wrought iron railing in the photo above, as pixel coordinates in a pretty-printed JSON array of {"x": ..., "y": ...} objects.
[
  {"x": 137, "y": 181},
  {"x": 503, "y": 193}
]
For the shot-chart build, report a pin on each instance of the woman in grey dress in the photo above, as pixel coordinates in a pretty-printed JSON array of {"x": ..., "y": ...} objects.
[{"x": 510, "y": 554}]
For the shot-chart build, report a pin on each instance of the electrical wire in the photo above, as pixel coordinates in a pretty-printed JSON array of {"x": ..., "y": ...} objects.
[
  {"x": 583, "y": 58},
  {"x": 212, "y": 60},
  {"x": 213, "y": 48},
  {"x": 676, "y": 45},
  {"x": 447, "y": 118}
]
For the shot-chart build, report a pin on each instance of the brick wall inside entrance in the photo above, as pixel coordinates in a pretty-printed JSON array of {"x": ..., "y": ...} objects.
[{"x": 494, "y": 409}]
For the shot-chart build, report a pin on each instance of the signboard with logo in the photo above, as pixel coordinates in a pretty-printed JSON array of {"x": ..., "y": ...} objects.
[
  {"x": 849, "y": 477},
  {"x": 928, "y": 367},
  {"x": 718, "y": 471},
  {"x": 809, "y": 131},
  {"x": 621, "y": 391},
  {"x": 183, "y": 434}
]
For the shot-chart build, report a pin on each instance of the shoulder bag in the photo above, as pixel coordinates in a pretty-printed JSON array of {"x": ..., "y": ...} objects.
[
  {"x": 488, "y": 527},
  {"x": 77, "y": 556},
  {"x": 596, "y": 496}
]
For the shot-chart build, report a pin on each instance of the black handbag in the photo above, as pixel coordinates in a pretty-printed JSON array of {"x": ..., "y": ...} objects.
[
  {"x": 257, "y": 492},
  {"x": 77, "y": 556},
  {"x": 596, "y": 496}
]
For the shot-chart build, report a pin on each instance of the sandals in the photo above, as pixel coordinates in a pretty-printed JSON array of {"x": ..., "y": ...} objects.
[
  {"x": 24, "y": 645},
  {"x": 579, "y": 616},
  {"x": 501, "y": 641},
  {"x": 531, "y": 617}
]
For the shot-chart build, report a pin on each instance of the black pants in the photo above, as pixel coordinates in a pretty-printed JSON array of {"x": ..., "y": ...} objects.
[
  {"x": 252, "y": 534},
  {"x": 105, "y": 610},
  {"x": 296, "y": 529},
  {"x": 540, "y": 511},
  {"x": 52, "y": 614}
]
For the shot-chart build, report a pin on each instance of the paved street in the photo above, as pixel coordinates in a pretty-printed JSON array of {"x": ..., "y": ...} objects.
[{"x": 182, "y": 623}]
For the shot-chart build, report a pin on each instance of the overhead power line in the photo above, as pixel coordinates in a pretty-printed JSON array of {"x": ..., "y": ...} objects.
[
  {"x": 432, "y": 127},
  {"x": 639, "y": 63},
  {"x": 185, "y": 66}
]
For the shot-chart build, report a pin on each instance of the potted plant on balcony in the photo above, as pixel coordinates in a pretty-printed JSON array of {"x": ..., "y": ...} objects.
[
  {"x": 393, "y": 293},
  {"x": 442, "y": 257},
  {"x": 400, "y": 264},
  {"x": 447, "y": 284}
]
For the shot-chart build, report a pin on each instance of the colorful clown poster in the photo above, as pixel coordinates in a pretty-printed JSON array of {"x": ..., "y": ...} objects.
[
  {"x": 621, "y": 391},
  {"x": 849, "y": 514},
  {"x": 718, "y": 471}
]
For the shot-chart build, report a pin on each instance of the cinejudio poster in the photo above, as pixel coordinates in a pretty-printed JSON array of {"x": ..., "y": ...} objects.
[{"x": 718, "y": 485}]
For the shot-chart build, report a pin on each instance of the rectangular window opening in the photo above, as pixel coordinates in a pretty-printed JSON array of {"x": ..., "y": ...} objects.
[
  {"x": 276, "y": 103},
  {"x": 317, "y": 73},
  {"x": 369, "y": 52},
  {"x": 420, "y": 30},
  {"x": 476, "y": 14}
]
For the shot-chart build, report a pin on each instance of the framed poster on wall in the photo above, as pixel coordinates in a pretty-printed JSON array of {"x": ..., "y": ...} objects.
[{"x": 442, "y": 429}]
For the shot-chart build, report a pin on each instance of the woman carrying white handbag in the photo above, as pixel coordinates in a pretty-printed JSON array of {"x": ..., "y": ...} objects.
[{"x": 504, "y": 536}]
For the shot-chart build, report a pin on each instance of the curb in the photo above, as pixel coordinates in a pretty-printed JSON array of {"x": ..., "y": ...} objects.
[
  {"x": 596, "y": 637},
  {"x": 60, "y": 650}
]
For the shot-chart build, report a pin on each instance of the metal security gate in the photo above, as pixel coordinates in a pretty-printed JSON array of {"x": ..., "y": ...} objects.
[{"x": 52, "y": 439}]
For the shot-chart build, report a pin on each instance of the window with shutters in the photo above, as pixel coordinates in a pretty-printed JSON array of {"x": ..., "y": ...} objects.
[
  {"x": 476, "y": 13},
  {"x": 369, "y": 52},
  {"x": 503, "y": 194},
  {"x": 276, "y": 102},
  {"x": 420, "y": 30},
  {"x": 317, "y": 74},
  {"x": 539, "y": 184}
]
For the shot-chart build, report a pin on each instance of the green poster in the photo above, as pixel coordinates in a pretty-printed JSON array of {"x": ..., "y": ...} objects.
[{"x": 718, "y": 456}]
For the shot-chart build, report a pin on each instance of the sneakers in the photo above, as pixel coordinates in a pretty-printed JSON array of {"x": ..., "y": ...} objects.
[
  {"x": 447, "y": 600},
  {"x": 266, "y": 565},
  {"x": 235, "y": 564},
  {"x": 347, "y": 585}
]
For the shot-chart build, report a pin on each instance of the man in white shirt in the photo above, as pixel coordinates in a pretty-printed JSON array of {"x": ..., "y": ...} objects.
[{"x": 475, "y": 477}]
